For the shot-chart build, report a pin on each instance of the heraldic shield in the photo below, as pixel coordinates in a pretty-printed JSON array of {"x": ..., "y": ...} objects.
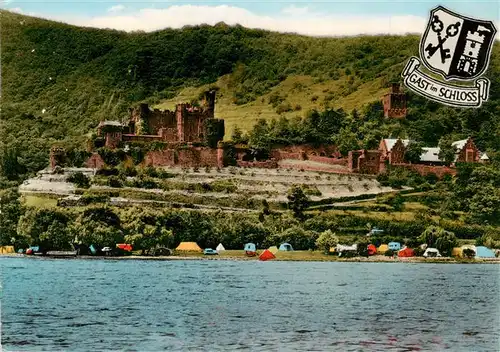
[{"x": 455, "y": 46}]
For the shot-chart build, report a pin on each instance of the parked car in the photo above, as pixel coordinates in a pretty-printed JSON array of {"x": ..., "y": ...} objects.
[{"x": 210, "y": 251}]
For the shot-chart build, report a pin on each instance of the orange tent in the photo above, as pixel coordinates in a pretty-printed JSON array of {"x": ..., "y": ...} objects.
[
  {"x": 406, "y": 252},
  {"x": 125, "y": 246},
  {"x": 267, "y": 255},
  {"x": 372, "y": 249}
]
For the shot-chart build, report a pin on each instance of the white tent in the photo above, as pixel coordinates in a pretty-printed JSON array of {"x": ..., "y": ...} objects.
[
  {"x": 220, "y": 248},
  {"x": 432, "y": 252},
  {"x": 342, "y": 247}
]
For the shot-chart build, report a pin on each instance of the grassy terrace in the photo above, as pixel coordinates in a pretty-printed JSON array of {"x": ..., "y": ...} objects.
[{"x": 228, "y": 187}]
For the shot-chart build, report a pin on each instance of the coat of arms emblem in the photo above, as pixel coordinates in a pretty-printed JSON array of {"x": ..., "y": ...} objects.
[{"x": 457, "y": 48}]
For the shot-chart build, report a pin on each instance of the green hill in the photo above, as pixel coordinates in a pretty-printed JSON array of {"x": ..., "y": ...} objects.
[{"x": 59, "y": 80}]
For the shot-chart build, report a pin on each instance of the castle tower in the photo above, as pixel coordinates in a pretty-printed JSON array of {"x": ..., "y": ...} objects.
[
  {"x": 113, "y": 139},
  {"x": 57, "y": 157},
  {"x": 112, "y": 132},
  {"x": 180, "y": 111},
  {"x": 395, "y": 103},
  {"x": 209, "y": 102}
]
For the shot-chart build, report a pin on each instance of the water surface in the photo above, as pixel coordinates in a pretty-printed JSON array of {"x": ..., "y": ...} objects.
[{"x": 129, "y": 305}]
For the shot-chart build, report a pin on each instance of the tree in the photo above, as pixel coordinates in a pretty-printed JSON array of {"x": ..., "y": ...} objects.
[
  {"x": 395, "y": 200},
  {"x": 298, "y": 237},
  {"x": 47, "y": 228},
  {"x": 99, "y": 226},
  {"x": 477, "y": 191},
  {"x": 238, "y": 137},
  {"x": 259, "y": 136},
  {"x": 446, "y": 150},
  {"x": 437, "y": 237},
  {"x": 297, "y": 201},
  {"x": 10, "y": 167},
  {"x": 484, "y": 206},
  {"x": 413, "y": 152},
  {"x": 79, "y": 179},
  {"x": 10, "y": 212},
  {"x": 150, "y": 237},
  {"x": 346, "y": 141},
  {"x": 146, "y": 230},
  {"x": 363, "y": 248},
  {"x": 326, "y": 240}
]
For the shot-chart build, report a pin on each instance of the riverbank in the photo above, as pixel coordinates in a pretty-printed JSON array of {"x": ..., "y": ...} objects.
[{"x": 300, "y": 256}]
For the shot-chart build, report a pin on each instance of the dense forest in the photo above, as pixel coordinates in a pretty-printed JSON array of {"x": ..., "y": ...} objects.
[{"x": 59, "y": 80}]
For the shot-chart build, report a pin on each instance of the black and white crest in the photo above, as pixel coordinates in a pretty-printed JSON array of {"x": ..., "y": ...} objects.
[{"x": 456, "y": 46}]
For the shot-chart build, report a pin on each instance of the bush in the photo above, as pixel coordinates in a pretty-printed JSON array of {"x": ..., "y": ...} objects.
[
  {"x": 108, "y": 171},
  {"x": 150, "y": 171},
  {"x": 129, "y": 171},
  {"x": 311, "y": 190},
  {"x": 282, "y": 108},
  {"x": 389, "y": 253},
  {"x": 326, "y": 240},
  {"x": 58, "y": 170},
  {"x": 468, "y": 253},
  {"x": 115, "y": 182},
  {"x": 223, "y": 186},
  {"x": 111, "y": 156},
  {"x": 92, "y": 198},
  {"x": 418, "y": 251},
  {"x": 431, "y": 178},
  {"x": 149, "y": 183},
  {"x": 79, "y": 179}
]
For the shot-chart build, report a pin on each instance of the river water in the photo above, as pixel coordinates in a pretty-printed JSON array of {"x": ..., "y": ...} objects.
[{"x": 215, "y": 305}]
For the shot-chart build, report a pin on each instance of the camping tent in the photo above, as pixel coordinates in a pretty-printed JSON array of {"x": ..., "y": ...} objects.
[
  {"x": 372, "y": 250},
  {"x": 343, "y": 247},
  {"x": 432, "y": 252},
  {"x": 382, "y": 249},
  {"x": 273, "y": 249},
  {"x": 7, "y": 249},
  {"x": 394, "y": 246},
  {"x": 484, "y": 252},
  {"x": 286, "y": 247},
  {"x": 189, "y": 247},
  {"x": 125, "y": 246},
  {"x": 250, "y": 247},
  {"x": 266, "y": 255},
  {"x": 456, "y": 252},
  {"x": 406, "y": 252},
  {"x": 220, "y": 248}
]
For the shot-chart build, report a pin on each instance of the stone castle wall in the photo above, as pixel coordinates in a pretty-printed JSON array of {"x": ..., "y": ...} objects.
[
  {"x": 267, "y": 164},
  {"x": 325, "y": 153},
  {"x": 423, "y": 170},
  {"x": 326, "y": 160},
  {"x": 185, "y": 157}
]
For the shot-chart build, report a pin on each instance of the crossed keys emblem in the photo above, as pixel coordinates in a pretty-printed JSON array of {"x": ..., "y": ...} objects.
[{"x": 438, "y": 27}]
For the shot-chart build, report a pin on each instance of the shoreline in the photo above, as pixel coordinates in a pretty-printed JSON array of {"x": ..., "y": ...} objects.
[{"x": 289, "y": 258}]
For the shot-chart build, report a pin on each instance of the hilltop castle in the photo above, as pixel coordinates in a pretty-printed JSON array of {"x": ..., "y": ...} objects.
[
  {"x": 186, "y": 124},
  {"x": 191, "y": 136}
]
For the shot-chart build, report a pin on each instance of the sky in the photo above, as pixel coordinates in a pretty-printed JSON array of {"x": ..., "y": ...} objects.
[{"x": 318, "y": 18}]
